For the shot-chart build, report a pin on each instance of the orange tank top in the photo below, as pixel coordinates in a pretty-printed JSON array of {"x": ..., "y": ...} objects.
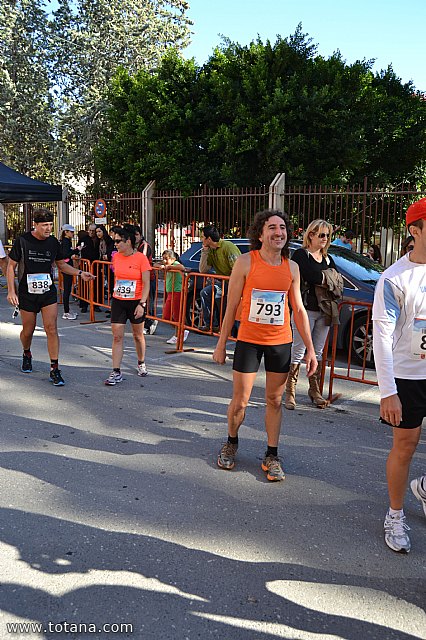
[{"x": 265, "y": 316}]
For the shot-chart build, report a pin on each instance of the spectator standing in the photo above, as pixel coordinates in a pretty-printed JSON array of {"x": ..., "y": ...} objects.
[
  {"x": 399, "y": 343},
  {"x": 105, "y": 248},
  {"x": 218, "y": 255},
  {"x": 313, "y": 262},
  {"x": 89, "y": 251},
  {"x": 173, "y": 291},
  {"x": 144, "y": 247},
  {"x": 69, "y": 254}
]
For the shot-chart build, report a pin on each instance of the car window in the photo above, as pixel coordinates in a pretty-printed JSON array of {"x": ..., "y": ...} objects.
[
  {"x": 356, "y": 265},
  {"x": 196, "y": 256}
]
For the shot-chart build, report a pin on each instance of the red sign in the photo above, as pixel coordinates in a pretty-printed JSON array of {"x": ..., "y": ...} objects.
[{"x": 100, "y": 208}]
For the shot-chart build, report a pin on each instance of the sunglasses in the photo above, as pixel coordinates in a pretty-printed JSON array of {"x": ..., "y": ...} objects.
[
  {"x": 118, "y": 241},
  {"x": 323, "y": 235}
]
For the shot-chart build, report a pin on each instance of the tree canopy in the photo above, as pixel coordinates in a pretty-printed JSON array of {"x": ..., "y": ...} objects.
[
  {"x": 55, "y": 69},
  {"x": 252, "y": 111}
]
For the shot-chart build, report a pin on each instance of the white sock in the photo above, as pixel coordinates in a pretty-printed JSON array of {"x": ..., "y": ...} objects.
[{"x": 396, "y": 513}]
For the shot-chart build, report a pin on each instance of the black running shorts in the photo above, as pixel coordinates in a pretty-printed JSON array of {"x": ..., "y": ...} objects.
[
  {"x": 123, "y": 310},
  {"x": 412, "y": 394},
  {"x": 34, "y": 303},
  {"x": 247, "y": 357}
]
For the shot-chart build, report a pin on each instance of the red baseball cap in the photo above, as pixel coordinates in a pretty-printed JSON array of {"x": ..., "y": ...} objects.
[{"x": 416, "y": 211}]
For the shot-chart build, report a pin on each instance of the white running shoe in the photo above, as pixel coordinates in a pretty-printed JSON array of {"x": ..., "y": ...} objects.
[
  {"x": 396, "y": 536},
  {"x": 417, "y": 488},
  {"x": 153, "y": 327},
  {"x": 69, "y": 316},
  {"x": 185, "y": 335},
  {"x": 142, "y": 370},
  {"x": 172, "y": 340}
]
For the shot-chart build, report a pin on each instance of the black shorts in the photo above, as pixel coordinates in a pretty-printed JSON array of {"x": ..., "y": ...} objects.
[
  {"x": 247, "y": 357},
  {"x": 123, "y": 310},
  {"x": 412, "y": 394},
  {"x": 34, "y": 303}
]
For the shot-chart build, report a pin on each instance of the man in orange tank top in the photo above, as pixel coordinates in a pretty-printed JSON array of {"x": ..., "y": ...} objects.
[{"x": 263, "y": 280}]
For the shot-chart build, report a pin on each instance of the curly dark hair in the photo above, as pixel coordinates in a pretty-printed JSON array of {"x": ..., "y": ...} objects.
[{"x": 256, "y": 228}]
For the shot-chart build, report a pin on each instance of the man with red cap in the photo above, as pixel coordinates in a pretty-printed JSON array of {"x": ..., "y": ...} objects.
[{"x": 399, "y": 341}]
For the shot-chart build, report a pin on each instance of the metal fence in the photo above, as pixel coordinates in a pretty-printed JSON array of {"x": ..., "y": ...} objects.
[
  {"x": 179, "y": 217},
  {"x": 19, "y": 218},
  {"x": 375, "y": 214}
]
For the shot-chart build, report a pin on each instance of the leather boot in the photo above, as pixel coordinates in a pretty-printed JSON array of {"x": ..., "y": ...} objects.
[
  {"x": 290, "y": 388},
  {"x": 314, "y": 389}
]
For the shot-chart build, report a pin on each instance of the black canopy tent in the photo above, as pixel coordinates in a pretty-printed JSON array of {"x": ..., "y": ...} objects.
[{"x": 15, "y": 187}]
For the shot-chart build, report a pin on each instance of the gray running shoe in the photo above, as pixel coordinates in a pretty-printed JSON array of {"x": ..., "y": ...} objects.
[
  {"x": 113, "y": 378},
  {"x": 416, "y": 488},
  {"x": 226, "y": 458},
  {"x": 396, "y": 536},
  {"x": 272, "y": 466}
]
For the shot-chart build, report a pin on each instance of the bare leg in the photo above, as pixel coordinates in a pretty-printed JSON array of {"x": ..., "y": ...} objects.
[
  {"x": 50, "y": 316},
  {"x": 28, "y": 326},
  {"x": 117, "y": 344},
  {"x": 398, "y": 463},
  {"x": 139, "y": 339},
  {"x": 242, "y": 387},
  {"x": 275, "y": 386}
]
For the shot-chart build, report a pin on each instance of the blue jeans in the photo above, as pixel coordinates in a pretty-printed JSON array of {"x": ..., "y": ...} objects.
[{"x": 206, "y": 301}]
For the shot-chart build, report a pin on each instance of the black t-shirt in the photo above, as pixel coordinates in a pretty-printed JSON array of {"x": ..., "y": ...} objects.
[
  {"x": 311, "y": 274},
  {"x": 34, "y": 256}
]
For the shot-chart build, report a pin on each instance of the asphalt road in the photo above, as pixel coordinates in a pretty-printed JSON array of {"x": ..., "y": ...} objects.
[{"x": 113, "y": 510}]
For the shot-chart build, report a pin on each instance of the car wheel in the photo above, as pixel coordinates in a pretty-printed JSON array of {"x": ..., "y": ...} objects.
[{"x": 361, "y": 343}]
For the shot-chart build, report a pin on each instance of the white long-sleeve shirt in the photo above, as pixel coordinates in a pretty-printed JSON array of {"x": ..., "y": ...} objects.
[{"x": 399, "y": 325}]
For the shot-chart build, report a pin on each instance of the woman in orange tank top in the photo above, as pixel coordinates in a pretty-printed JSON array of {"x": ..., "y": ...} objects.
[{"x": 265, "y": 279}]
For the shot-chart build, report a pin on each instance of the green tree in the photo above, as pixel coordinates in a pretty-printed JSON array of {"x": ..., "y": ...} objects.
[
  {"x": 90, "y": 40},
  {"x": 153, "y": 128},
  {"x": 252, "y": 111},
  {"x": 26, "y": 107}
]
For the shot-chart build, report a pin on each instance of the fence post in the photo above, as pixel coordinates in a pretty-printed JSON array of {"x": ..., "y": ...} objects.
[
  {"x": 276, "y": 192},
  {"x": 364, "y": 207},
  {"x": 148, "y": 216}
]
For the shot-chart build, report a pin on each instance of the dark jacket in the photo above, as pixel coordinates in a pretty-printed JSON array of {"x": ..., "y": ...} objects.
[
  {"x": 67, "y": 249},
  {"x": 90, "y": 249}
]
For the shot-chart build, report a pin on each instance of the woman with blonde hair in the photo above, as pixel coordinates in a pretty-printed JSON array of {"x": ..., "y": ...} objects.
[{"x": 312, "y": 259}]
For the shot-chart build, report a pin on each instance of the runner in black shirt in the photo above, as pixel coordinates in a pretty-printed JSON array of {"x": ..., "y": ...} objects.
[{"x": 34, "y": 254}]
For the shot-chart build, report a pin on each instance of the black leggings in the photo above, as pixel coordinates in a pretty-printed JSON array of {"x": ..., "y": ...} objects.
[{"x": 67, "y": 291}]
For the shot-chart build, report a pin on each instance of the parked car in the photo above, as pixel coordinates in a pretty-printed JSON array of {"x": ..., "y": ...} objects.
[{"x": 360, "y": 275}]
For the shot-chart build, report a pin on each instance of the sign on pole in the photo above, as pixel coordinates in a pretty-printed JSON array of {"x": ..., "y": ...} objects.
[{"x": 100, "y": 211}]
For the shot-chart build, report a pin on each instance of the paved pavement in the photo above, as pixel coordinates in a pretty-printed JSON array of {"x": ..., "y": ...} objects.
[{"x": 113, "y": 510}]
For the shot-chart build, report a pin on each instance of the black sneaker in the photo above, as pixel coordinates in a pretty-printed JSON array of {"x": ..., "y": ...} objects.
[
  {"x": 56, "y": 378},
  {"x": 27, "y": 364}
]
